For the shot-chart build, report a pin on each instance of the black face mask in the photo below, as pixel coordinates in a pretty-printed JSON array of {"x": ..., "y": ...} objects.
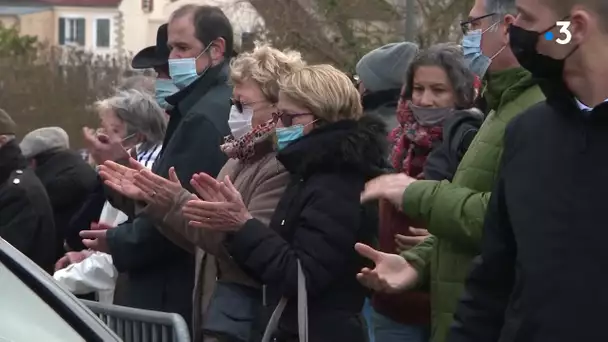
[{"x": 523, "y": 44}]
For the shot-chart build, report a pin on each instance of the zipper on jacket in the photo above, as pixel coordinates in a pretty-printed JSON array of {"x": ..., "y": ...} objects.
[{"x": 264, "y": 302}]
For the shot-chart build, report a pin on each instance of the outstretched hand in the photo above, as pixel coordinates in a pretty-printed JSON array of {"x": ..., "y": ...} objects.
[
  {"x": 121, "y": 178},
  {"x": 157, "y": 190},
  {"x": 391, "y": 274},
  {"x": 390, "y": 187}
]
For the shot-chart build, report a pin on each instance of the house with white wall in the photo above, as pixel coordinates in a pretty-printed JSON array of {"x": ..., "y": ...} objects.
[
  {"x": 110, "y": 26},
  {"x": 89, "y": 24},
  {"x": 141, "y": 18}
]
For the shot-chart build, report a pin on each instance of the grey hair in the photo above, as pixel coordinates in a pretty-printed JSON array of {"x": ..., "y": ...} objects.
[
  {"x": 142, "y": 83},
  {"x": 139, "y": 111},
  {"x": 501, "y": 8},
  {"x": 449, "y": 57}
]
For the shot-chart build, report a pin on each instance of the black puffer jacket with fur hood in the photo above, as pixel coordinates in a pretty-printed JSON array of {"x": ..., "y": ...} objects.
[{"x": 318, "y": 221}]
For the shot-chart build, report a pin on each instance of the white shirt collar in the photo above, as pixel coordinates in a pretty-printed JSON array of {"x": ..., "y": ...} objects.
[{"x": 584, "y": 107}]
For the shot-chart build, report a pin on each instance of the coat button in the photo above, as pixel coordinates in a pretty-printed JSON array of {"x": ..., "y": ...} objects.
[
  {"x": 283, "y": 223},
  {"x": 19, "y": 172},
  {"x": 16, "y": 181}
]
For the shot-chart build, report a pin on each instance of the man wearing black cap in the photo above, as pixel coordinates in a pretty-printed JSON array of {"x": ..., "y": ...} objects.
[
  {"x": 26, "y": 216},
  {"x": 157, "y": 57},
  {"x": 161, "y": 274}
]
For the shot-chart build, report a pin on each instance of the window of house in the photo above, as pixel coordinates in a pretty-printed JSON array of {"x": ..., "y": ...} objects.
[
  {"x": 72, "y": 31},
  {"x": 102, "y": 33},
  {"x": 147, "y": 5}
]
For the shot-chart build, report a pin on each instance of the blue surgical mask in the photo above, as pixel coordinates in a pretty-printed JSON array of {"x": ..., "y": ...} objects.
[
  {"x": 163, "y": 89},
  {"x": 476, "y": 61},
  {"x": 287, "y": 135},
  {"x": 183, "y": 70}
]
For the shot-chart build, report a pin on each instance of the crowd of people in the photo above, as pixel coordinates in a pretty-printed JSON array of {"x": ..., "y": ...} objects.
[{"x": 435, "y": 196}]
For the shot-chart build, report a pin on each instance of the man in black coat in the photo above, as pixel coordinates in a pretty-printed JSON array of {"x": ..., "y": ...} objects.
[
  {"x": 68, "y": 179},
  {"x": 161, "y": 274},
  {"x": 26, "y": 217},
  {"x": 541, "y": 275}
]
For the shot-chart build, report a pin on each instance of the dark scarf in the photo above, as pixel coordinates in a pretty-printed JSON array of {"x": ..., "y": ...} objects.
[{"x": 11, "y": 159}]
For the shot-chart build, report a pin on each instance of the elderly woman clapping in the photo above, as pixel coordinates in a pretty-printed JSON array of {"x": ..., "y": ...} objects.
[
  {"x": 330, "y": 151},
  {"x": 257, "y": 175}
]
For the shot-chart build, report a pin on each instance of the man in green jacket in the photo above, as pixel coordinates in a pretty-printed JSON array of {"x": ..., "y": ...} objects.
[{"x": 453, "y": 212}]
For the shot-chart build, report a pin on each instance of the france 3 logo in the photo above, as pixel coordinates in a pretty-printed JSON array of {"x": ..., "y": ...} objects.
[{"x": 563, "y": 30}]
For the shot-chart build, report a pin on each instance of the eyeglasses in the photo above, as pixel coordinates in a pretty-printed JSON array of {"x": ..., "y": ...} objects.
[
  {"x": 240, "y": 105},
  {"x": 465, "y": 26},
  {"x": 286, "y": 118},
  {"x": 129, "y": 137}
]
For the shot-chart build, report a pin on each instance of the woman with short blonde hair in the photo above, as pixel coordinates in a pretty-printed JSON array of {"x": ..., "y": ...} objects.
[
  {"x": 330, "y": 150},
  {"x": 326, "y": 91},
  {"x": 259, "y": 178},
  {"x": 263, "y": 66}
]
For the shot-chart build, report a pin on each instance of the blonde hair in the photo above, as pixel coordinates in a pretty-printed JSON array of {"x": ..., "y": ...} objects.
[
  {"x": 265, "y": 65},
  {"x": 326, "y": 91}
]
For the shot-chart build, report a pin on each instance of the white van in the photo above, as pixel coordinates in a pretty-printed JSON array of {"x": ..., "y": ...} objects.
[{"x": 34, "y": 308}]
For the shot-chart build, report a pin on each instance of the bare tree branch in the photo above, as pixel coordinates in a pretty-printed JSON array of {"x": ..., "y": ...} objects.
[{"x": 341, "y": 31}]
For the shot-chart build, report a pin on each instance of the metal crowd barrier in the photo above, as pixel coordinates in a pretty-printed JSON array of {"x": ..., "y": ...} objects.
[{"x": 136, "y": 325}]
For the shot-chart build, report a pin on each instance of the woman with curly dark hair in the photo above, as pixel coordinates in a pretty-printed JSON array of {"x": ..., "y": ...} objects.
[{"x": 438, "y": 94}]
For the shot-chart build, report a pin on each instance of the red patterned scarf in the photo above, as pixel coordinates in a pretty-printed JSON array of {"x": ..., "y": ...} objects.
[
  {"x": 412, "y": 142},
  {"x": 243, "y": 148}
]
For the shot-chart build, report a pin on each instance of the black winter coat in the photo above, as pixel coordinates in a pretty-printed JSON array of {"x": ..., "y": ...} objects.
[
  {"x": 458, "y": 133},
  {"x": 68, "y": 181},
  {"x": 160, "y": 273},
  {"x": 541, "y": 276},
  {"x": 318, "y": 221},
  {"x": 26, "y": 217}
]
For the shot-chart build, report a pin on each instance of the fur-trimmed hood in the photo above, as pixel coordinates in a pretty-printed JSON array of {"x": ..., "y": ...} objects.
[{"x": 344, "y": 146}]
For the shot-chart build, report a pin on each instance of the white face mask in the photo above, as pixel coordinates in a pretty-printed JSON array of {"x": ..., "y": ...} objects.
[{"x": 240, "y": 123}]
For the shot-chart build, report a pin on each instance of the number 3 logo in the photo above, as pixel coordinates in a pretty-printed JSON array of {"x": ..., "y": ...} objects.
[{"x": 563, "y": 29}]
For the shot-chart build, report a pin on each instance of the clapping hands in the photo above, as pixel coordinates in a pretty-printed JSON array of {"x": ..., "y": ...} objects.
[{"x": 220, "y": 206}]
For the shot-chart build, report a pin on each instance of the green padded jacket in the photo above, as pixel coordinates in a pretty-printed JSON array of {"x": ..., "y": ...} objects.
[{"x": 454, "y": 211}]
